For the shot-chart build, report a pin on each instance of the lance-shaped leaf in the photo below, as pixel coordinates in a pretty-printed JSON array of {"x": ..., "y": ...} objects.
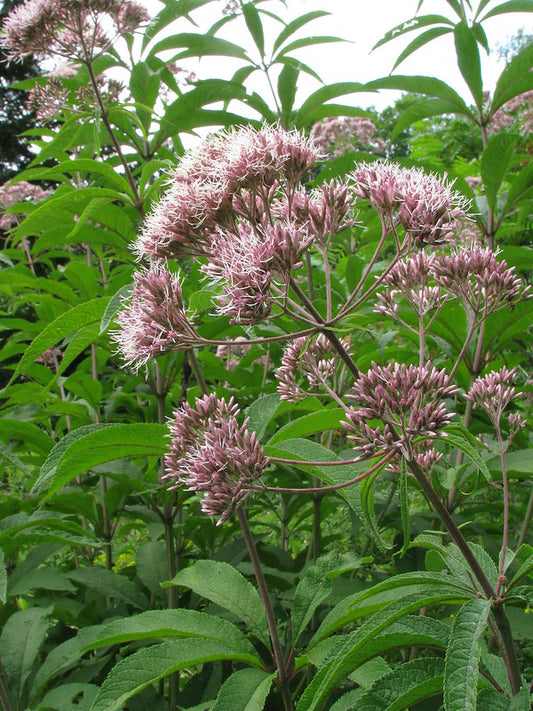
[
  {"x": 254, "y": 25},
  {"x": 515, "y": 79},
  {"x": 245, "y": 690},
  {"x": 430, "y": 86},
  {"x": 310, "y": 592},
  {"x": 92, "y": 445},
  {"x": 287, "y": 91},
  {"x": 468, "y": 60},
  {"x": 408, "y": 684},
  {"x": 76, "y": 318},
  {"x": 416, "y": 23},
  {"x": 462, "y": 655},
  {"x": 161, "y": 624},
  {"x": 494, "y": 163},
  {"x": 148, "y": 666},
  {"x": 326, "y": 93},
  {"x": 295, "y": 25},
  {"x": 420, "y": 41},
  {"x": 226, "y": 586},
  {"x": 3, "y": 578},
  {"x": 196, "y": 45},
  {"x": 510, "y": 6}
]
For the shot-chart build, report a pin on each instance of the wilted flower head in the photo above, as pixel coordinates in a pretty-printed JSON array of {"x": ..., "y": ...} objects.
[
  {"x": 16, "y": 193},
  {"x": 408, "y": 400},
  {"x": 493, "y": 393},
  {"x": 68, "y": 28},
  {"x": 212, "y": 455},
  {"x": 482, "y": 283},
  {"x": 154, "y": 320},
  {"x": 425, "y": 204},
  {"x": 312, "y": 360}
]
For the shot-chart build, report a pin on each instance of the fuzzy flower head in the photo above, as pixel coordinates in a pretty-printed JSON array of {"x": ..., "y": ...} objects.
[
  {"x": 493, "y": 393},
  {"x": 231, "y": 175},
  {"x": 154, "y": 321},
  {"x": 68, "y": 28},
  {"x": 408, "y": 402},
  {"x": 424, "y": 204},
  {"x": 308, "y": 366},
  {"x": 212, "y": 455},
  {"x": 482, "y": 283}
]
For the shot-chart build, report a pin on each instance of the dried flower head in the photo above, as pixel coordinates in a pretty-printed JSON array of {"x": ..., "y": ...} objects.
[
  {"x": 154, "y": 320},
  {"x": 68, "y": 28},
  {"x": 212, "y": 455},
  {"x": 482, "y": 283},
  {"x": 309, "y": 360},
  {"x": 407, "y": 400}
]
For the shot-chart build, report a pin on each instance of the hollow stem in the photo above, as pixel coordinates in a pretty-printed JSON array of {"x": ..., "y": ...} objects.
[{"x": 279, "y": 657}]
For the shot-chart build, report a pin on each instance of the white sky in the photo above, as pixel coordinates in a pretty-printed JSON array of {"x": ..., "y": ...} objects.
[{"x": 362, "y": 24}]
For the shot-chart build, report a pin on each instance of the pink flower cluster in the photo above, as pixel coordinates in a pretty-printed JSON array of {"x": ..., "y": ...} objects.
[
  {"x": 212, "y": 455},
  {"x": 424, "y": 204},
  {"x": 12, "y": 194},
  {"x": 312, "y": 359},
  {"x": 493, "y": 393},
  {"x": 68, "y": 28},
  {"x": 517, "y": 114},
  {"x": 473, "y": 275},
  {"x": 335, "y": 135},
  {"x": 155, "y": 320},
  {"x": 49, "y": 100},
  {"x": 407, "y": 400}
]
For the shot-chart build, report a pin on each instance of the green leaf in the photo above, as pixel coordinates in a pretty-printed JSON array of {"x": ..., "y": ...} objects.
[
  {"x": 260, "y": 413},
  {"x": 410, "y": 683},
  {"x": 415, "y": 23},
  {"x": 26, "y": 432},
  {"x": 309, "y": 424},
  {"x": 72, "y": 320},
  {"x": 510, "y": 6},
  {"x": 525, "y": 555},
  {"x": 404, "y": 509},
  {"x": 521, "y": 187},
  {"x": 515, "y": 79},
  {"x": 147, "y": 666},
  {"x": 92, "y": 445},
  {"x": 462, "y": 655},
  {"x": 115, "y": 304},
  {"x": 460, "y": 437},
  {"x": 70, "y": 697},
  {"x": 468, "y": 60},
  {"x": 295, "y": 25},
  {"x": 494, "y": 163},
  {"x": 226, "y": 586},
  {"x": 151, "y": 566},
  {"x": 22, "y": 638},
  {"x": 305, "y": 42},
  {"x": 43, "y": 577},
  {"x": 160, "y": 624},
  {"x": 326, "y": 93},
  {"x": 420, "y": 41},
  {"x": 199, "y": 46},
  {"x": 109, "y": 584},
  {"x": 7, "y": 454},
  {"x": 287, "y": 91},
  {"x": 254, "y": 25},
  {"x": 430, "y": 86},
  {"x": 245, "y": 690},
  {"x": 81, "y": 165},
  {"x": 310, "y": 592},
  {"x": 3, "y": 578}
]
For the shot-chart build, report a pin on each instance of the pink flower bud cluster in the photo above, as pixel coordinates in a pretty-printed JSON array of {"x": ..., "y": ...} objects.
[
  {"x": 68, "y": 28},
  {"x": 212, "y": 455},
  {"x": 335, "y": 135},
  {"x": 424, "y": 204},
  {"x": 154, "y": 321},
  {"x": 313, "y": 360},
  {"x": 16, "y": 193},
  {"x": 408, "y": 402},
  {"x": 473, "y": 275},
  {"x": 482, "y": 283},
  {"x": 49, "y": 100},
  {"x": 493, "y": 393},
  {"x": 323, "y": 213},
  {"x": 411, "y": 280}
]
